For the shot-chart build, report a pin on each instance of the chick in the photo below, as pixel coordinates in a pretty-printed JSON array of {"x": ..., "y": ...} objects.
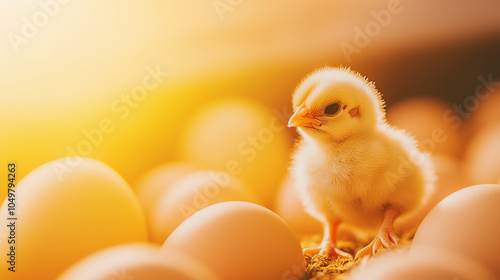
[{"x": 350, "y": 166}]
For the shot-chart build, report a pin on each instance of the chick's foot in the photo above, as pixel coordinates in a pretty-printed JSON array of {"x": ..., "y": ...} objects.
[
  {"x": 327, "y": 249},
  {"x": 385, "y": 237}
]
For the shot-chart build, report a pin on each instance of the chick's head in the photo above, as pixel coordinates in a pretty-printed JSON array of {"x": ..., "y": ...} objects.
[{"x": 333, "y": 104}]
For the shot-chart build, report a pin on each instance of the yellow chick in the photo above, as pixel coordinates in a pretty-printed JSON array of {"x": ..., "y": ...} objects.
[{"x": 350, "y": 166}]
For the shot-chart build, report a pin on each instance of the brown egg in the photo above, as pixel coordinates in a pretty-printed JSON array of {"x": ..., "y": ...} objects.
[
  {"x": 242, "y": 138},
  {"x": 428, "y": 264},
  {"x": 465, "y": 223},
  {"x": 430, "y": 121},
  {"x": 66, "y": 209},
  {"x": 137, "y": 261},
  {"x": 190, "y": 194},
  {"x": 450, "y": 173},
  {"x": 482, "y": 156},
  {"x": 484, "y": 111},
  {"x": 289, "y": 206},
  {"x": 240, "y": 240},
  {"x": 156, "y": 181},
  {"x": 449, "y": 177}
]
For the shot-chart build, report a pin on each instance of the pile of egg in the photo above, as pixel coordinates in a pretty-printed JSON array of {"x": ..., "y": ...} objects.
[
  {"x": 203, "y": 217},
  {"x": 208, "y": 216}
]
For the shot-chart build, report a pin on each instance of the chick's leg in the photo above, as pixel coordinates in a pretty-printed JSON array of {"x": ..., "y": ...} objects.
[
  {"x": 328, "y": 246},
  {"x": 386, "y": 235}
]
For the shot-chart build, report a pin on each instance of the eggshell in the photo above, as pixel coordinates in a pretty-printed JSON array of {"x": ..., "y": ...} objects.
[
  {"x": 137, "y": 261},
  {"x": 485, "y": 112},
  {"x": 466, "y": 223},
  {"x": 450, "y": 174},
  {"x": 426, "y": 264},
  {"x": 482, "y": 156},
  {"x": 190, "y": 194},
  {"x": 242, "y": 138},
  {"x": 424, "y": 119},
  {"x": 289, "y": 206},
  {"x": 450, "y": 177},
  {"x": 156, "y": 181},
  {"x": 66, "y": 211},
  {"x": 240, "y": 240}
]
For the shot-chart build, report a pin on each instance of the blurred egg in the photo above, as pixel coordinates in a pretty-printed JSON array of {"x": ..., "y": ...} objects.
[
  {"x": 242, "y": 138},
  {"x": 426, "y": 264},
  {"x": 485, "y": 112},
  {"x": 66, "y": 210},
  {"x": 449, "y": 177},
  {"x": 156, "y": 181},
  {"x": 465, "y": 223},
  {"x": 137, "y": 261},
  {"x": 289, "y": 206},
  {"x": 190, "y": 194},
  {"x": 240, "y": 240},
  {"x": 450, "y": 174},
  {"x": 482, "y": 156},
  {"x": 429, "y": 121}
]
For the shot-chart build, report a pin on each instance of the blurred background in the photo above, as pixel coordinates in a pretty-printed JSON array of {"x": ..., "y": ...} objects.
[{"x": 139, "y": 84}]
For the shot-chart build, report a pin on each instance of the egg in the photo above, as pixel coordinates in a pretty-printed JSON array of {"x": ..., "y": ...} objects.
[
  {"x": 243, "y": 139},
  {"x": 450, "y": 176},
  {"x": 137, "y": 261},
  {"x": 429, "y": 264},
  {"x": 288, "y": 206},
  {"x": 426, "y": 119},
  {"x": 483, "y": 112},
  {"x": 240, "y": 240},
  {"x": 66, "y": 210},
  {"x": 482, "y": 156},
  {"x": 190, "y": 194},
  {"x": 465, "y": 223},
  {"x": 156, "y": 181}
]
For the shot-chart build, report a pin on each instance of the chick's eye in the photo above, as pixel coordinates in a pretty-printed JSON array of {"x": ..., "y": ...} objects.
[{"x": 332, "y": 109}]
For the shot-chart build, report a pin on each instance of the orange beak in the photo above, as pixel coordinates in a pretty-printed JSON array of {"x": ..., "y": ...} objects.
[{"x": 302, "y": 118}]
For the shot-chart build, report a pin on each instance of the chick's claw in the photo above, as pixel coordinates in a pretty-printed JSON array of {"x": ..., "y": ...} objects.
[
  {"x": 328, "y": 250},
  {"x": 340, "y": 253},
  {"x": 364, "y": 252},
  {"x": 370, "y": 249},
  {"x": 385, "y": 238}
]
